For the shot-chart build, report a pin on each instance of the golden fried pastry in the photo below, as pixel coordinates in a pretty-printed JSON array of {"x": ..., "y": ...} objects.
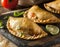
[
  {"x": 53, "y": 6},
  {"x": 25, "y": 28},
  {"x": 39, "y": 15}
]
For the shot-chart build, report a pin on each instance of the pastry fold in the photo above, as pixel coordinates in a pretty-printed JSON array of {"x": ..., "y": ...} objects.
[
  {"x": 39, "y": 15},
  {"x": 53, "y": 6},
  {"x": 25, "y": 28}
]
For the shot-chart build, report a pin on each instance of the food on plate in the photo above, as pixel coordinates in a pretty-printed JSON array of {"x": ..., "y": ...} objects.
[
  {"x": 18, "y": 13},
  {"x": 54, "y": 30},
  {"x": 39, "y": 15},
  {"x": 25, "y": 28},
  {"x": 53, "y": 6},
  {"x": 9, "y": 4}
]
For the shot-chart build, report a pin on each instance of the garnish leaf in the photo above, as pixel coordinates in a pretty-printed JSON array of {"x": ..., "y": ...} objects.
[
  {"x": 1, "y": 24},
  {"x": 18, "y": 13},
  {"x": 6, "y": 17}
]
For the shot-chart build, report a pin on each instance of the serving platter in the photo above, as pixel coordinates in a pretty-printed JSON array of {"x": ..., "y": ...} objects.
[{"x": 43, "y": 42}]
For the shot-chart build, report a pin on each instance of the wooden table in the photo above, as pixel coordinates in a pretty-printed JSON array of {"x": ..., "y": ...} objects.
[{"x": 7, "y": 43}]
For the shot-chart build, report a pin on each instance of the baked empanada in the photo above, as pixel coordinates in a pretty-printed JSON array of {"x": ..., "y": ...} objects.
[
  {"x": 53, "y": 6},
  {"x": 25, "y": 28},
  {"x": 39, "y": 15}
]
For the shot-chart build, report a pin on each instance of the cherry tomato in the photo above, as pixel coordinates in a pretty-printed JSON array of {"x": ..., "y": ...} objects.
[{"x": 9, "y": 4}]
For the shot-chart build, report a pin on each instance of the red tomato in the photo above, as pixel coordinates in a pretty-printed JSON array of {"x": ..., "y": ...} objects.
[{"x": 9, "y": 4}]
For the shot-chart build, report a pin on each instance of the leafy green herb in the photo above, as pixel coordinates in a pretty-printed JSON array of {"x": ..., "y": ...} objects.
[
  {"x": 21, "y": 34},
  {"x": 6, "y": 17},
  {"x": 18, "y": 13},
  {"x": 1, "y": 24}
]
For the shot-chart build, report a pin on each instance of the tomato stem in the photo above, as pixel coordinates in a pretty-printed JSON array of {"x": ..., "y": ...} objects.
[{"x": 10, "y": 0}]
